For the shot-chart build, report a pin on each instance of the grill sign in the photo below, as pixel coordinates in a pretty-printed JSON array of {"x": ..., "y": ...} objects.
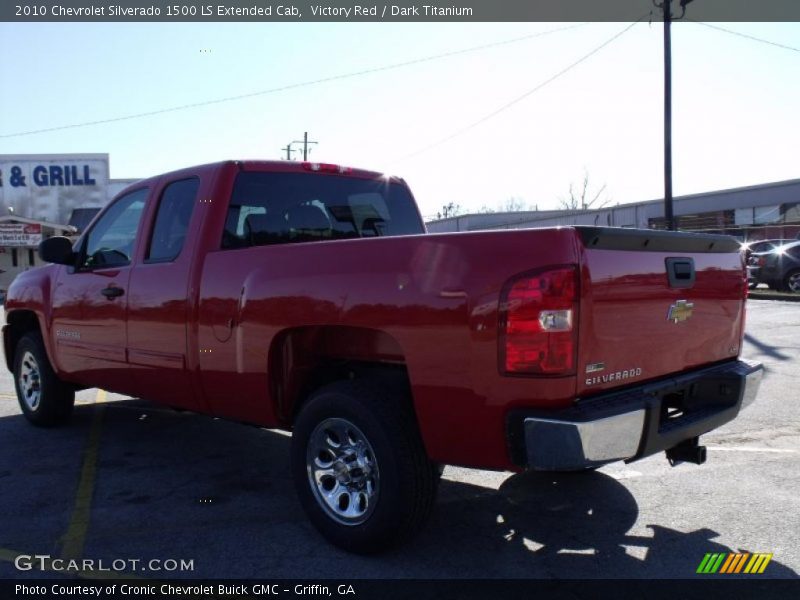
[{"x": 20, "y": 234}]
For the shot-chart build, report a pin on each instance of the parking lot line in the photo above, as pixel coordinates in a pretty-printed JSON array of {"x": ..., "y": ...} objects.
[
  {"x": 75, "y": 537},
  {"x": 9, "y": 555},
  {"x": 776, "y": 450}
]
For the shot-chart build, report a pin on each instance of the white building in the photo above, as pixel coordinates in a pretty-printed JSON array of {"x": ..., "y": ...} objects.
[
  {"x": 38, "y": 194},
  {"x": 49, "y": 186},
  {"x": 767, "y": 211}
]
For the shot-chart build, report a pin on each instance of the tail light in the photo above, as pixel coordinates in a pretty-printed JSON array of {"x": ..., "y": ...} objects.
[
  {"x": 538, "y": 323},
  {"x": 326, "y": 168}
]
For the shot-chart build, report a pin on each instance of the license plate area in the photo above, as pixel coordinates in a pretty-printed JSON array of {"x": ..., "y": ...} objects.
[{"x": 685, "y": 404}]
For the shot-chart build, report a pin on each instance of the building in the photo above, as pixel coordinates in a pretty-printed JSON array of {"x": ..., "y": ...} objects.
[
  {"x": 40, "y": 195},
  {"x": 50, "y": 186},
  {"x": 19, "y": 239},
  {"x": 766, "y": 211}
]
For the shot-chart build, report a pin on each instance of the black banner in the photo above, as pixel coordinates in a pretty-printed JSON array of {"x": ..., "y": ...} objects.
[
  {"x": 701, "y": 588},
  {"x": 396, "y": 11}
]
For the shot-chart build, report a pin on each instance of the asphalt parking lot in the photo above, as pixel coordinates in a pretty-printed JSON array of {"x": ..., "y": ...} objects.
[{"x": 129, "y": 480}]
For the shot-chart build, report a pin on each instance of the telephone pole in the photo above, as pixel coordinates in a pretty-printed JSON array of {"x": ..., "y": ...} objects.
[
  {"x": 288, "y": 149},
  {"x": 666, "y": 7},
  {"x": 305, "y": 143}
]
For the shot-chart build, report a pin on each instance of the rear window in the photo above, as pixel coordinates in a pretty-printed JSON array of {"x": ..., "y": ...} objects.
[{"x": 280, "y": 208}]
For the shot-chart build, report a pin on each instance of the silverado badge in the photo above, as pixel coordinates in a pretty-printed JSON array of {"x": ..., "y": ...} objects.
[{"x": 680, "y": 311}]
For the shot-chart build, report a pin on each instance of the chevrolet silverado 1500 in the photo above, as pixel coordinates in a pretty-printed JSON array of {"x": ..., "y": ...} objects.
[{"x": 307, "y": 297}]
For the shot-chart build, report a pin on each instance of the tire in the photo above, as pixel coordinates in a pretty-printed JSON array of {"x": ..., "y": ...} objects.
[
  {"x": 45, "y": 400},
  {"x": 360, "y": 467},
  {"x": 791, "y": 282}
]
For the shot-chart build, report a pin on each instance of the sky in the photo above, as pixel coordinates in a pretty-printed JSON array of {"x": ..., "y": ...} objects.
[{"x": 735, "y": 103}]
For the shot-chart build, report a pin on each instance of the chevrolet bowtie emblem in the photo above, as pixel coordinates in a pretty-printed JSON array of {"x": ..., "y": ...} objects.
[{"x": 680, "y": 311}]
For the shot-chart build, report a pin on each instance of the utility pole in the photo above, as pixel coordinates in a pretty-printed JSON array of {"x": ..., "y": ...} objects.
[
  {"x": 305, "y": 143},
  {"x": 668, "y": 208},
  {"x": 666, "y": 6},
  {"x": 288, "y": 149}
]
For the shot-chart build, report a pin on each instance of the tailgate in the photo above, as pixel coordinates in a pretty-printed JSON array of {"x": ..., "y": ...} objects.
[{"x": 655, "y": 303}]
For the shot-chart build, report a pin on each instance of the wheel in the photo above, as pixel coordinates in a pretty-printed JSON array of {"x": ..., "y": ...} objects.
[
  {"x": 45, "y": 400},
  {"x": 792, "y": 281},
  {"x": 360, "y": 468}
]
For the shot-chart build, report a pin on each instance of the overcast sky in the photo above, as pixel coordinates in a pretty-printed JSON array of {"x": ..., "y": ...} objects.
[{"x": 735, "y": 102}]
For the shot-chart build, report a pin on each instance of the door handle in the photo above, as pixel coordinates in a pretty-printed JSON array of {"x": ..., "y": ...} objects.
[{"x": 112, "y": 292}]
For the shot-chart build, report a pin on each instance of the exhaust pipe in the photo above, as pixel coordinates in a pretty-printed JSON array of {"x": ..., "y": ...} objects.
[{"x": 687, "y": 451}]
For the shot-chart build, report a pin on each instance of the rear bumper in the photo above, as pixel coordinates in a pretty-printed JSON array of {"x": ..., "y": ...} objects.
[{"x": 633, "y": 423}]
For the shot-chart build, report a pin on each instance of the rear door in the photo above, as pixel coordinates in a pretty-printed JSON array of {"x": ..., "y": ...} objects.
[
  {"x": 158, "y": 302},
  {"x": 247, "y": 288},
  {"x": 656, "y": 303},
  {"x": 90, "y": 300}
]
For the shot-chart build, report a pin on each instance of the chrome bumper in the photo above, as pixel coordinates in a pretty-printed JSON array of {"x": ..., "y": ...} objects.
[
  {"x": 751, "y": 384},
  {"x": 561, "y": 445},
  {"x": 628, "y": 425}
]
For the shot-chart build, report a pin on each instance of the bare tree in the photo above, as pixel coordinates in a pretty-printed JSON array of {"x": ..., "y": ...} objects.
[
  {"x": 449, "y": 210},
  {"x": 583, "y": 199},
  {"x": 514, "y": 204}
]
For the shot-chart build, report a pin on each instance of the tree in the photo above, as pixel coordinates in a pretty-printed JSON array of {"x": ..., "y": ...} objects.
[
  {"x": 449, "y": 210},
  {"x": 514, "y": 204},
  {"x": 583, "y": 199}
]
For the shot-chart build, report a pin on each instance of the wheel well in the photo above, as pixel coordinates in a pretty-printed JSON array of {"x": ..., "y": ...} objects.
[
  {"x": 18, "y": 323},
  {"x": 305, "y": 359}
]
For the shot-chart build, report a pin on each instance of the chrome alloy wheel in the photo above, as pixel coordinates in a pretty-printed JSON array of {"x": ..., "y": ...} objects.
[
  {"x": 342, "y": 471},
  {"x": 793, "y": 282},
  {"x": 30, "y": 384}
]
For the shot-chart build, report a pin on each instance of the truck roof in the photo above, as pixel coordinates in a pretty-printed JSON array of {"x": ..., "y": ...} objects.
[{"x": 277, "y": 166}]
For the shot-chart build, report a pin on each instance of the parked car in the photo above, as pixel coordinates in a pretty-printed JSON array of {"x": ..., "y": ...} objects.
[
  {"x": 778, "y": 268},
  {"x": 758, "y": 247},
  {"x": 308, "y": 297},
  {"x": 764, "y": 245}
]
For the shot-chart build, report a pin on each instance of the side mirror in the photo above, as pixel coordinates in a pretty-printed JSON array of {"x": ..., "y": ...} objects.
[{"x": 57, "y": 250}]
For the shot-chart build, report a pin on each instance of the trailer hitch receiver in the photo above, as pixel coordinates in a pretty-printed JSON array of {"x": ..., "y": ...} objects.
[{"x": 687, "y": 451}]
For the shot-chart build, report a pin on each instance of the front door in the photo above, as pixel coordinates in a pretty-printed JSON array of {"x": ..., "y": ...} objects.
[{"x": 90, "y": 299}]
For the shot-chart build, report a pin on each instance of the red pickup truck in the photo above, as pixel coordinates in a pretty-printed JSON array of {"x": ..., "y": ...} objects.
[{"x": 307, "y": 297}]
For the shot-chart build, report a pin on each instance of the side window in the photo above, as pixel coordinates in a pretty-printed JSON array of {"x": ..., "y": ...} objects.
[
  {"x": 110, "y": 242},
  {"x": 172, "y": 220}
]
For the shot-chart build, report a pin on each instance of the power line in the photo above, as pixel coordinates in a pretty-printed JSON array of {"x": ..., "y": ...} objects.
[
  {"x": 519, "y": 99},
  {"x": 292, "y": 86},
  {"x": 745, "y": 35}
]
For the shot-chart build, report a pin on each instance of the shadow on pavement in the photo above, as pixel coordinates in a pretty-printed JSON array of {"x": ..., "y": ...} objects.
[
  {"x": 178, "y": 485},
  {"x": 766, "y": 349}
]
